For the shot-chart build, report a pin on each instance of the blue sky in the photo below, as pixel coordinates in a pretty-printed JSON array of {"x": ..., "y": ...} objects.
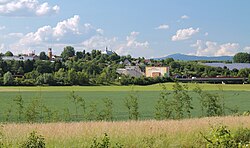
[{"x": 139, "y": 28}]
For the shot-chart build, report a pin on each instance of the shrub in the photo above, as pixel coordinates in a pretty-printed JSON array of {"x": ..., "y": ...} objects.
[
  {"x": 31, "y": 112},
  {"x": 163, "y": 108},
  {"x": 104, "y": 143},
  {"x": 222, "y": 137},
  {"x": 34, "y": 141},
  {"x": 132, "y": 105},
  {"x": 242, "y": 136}
]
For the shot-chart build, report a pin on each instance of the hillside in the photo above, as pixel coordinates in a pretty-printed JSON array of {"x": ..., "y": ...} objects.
[{"x": 184, "y": 57}]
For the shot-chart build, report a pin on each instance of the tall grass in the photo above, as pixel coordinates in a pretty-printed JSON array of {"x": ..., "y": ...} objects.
[{"x": 169, "y": 133}]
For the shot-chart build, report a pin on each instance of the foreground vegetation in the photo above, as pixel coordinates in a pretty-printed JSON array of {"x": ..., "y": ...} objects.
[{"x": 157, "y": 134}]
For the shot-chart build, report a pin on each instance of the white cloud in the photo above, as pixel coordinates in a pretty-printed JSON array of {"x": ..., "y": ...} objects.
[
  {"x": 99, "y": 42},
  {"x": 162, "y": 27},
  {"x": 123, "y": 47},
  {"x": 53, "y": 34},
  {"x": 184, "y": 34},
  {"x": 4, "y": 1},
  {"x": 19, "y": 35},
  {"x": 184, "y": 17},
  {"x": 206, "y": 34},
  {"x": 100, "y": 31},
  {"x": 209, "y": 48},
  {"x": 246, "y": 49},
  {"x": 132, "y": 46},
  {"x": 131, "y": 41},
  {"x": 11, "y": 36},
  {"x": 2, "y": 27},
  {"x": 72, "y": 32},
  {"x": 26, "y": 8},
  {"x": 66, "y": 32},
  {"x": 69, "y": 25}
]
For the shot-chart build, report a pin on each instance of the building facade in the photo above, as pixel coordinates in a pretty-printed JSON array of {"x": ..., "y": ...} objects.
[{"x": 157, "y": 72}]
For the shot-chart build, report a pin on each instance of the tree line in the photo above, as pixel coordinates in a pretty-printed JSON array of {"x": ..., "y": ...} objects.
[{"x": 95, "y": 68}]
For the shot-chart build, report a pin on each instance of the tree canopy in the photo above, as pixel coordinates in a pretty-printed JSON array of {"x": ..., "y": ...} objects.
[
  {"x": 68, "y": 51},
  {"x": 9, "y": 54},
  {"x": 43, "y": 56},
  {"x": 241, "y": 57}
]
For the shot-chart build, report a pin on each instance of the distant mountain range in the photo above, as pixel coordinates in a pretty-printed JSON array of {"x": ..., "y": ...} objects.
[{"x": 184, "y": 57}]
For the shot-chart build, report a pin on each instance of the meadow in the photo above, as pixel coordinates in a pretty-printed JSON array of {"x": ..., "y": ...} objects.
[
  {"x": 57, "y": 98},
  {"x": 129, "y": 134}
]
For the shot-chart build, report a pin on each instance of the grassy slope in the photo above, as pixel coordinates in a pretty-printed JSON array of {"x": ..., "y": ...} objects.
[
  {"x": 57, "y": 97},
  {"x": 183, "y": 133}
]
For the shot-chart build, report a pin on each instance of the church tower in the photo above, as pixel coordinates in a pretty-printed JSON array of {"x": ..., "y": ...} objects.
[{"x": 50, "y": 53}]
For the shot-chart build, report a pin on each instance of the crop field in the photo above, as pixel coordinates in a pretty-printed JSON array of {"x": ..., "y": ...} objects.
[
  {"x": 57, "y": 98},
  {"x": 151, "y": 133}
]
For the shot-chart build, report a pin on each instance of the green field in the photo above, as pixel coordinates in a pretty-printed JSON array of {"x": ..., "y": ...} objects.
[{"x": 56, "y": 98}]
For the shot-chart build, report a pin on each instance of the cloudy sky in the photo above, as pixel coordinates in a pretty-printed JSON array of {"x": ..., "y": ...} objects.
[{"x": 149, "y": 28}]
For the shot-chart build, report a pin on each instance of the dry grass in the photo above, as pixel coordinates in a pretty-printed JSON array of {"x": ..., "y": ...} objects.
[{"x": 130, "y": 133}]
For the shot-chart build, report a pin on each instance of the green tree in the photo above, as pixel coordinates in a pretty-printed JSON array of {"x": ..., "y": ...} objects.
[
  {"x": 46, "y": 78},
  {"x": 78, "y": 102},
  {"x": 68, "y": 52},
  {"x": 82, "y": 78},
  {"x": 72, "y": 77},
  {"x": 79, "y": 55},
  {"x": 20, "y": 71},
  {"x": 102, "y": 78},
  {"x": 169, "y": 60},
  {"x": 132, "y": 105},
  {"x": 43, "y": 66},
  {"x": 163, "y": 108},
  {"x": 175, "y": 65},
  {"x": 8, "y": 78},
  {"x": 92, "y": 112},
  {"x": 182, "y": 101},
  {"x": 107, "y": 113},
  {"x": 61, "y": 77},
  {"x": 20, "y": 106},
  {"x": 28, "y": 66},
  {"x": 244, "y": 72},
  {"x": 43, "y": 56},
  {"x": 32, "y": 75},
  {"x": 211, "y": 104},
  {"x": 241, "y": 58},
  {"x": 9, "y": 54},
  {"x": 31, "y": 112},
  {"x": 34, "y": 141}
]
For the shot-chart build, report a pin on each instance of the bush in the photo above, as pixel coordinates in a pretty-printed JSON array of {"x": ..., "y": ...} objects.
[
  {"x": 222, "y": 137},
  {"x": 242, "y": 136},
  {"x": 34, "y": 141},
  {"x": 104, "y": 143}
]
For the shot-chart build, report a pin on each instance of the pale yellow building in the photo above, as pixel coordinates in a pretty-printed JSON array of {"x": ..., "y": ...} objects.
[{"x": 157, "y": 71}]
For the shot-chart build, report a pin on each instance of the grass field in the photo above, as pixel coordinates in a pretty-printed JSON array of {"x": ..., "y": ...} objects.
[
  {"x": 131, "y": 134},
  {"x": 56, "y": 98}
]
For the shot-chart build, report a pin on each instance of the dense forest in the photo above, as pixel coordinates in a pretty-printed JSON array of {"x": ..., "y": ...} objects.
[{"x": 95, "y": 68}]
